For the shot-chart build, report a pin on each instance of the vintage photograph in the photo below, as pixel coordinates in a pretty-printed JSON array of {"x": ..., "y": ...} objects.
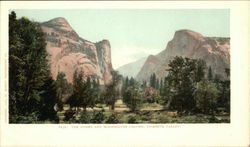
[{"x": 119, "y": 66}]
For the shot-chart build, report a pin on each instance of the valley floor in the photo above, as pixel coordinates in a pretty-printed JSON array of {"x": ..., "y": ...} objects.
[{"x": 149, "y": 113}]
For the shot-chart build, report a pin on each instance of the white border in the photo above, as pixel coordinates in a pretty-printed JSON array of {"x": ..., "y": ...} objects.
[{"x": 234, "y": 134}]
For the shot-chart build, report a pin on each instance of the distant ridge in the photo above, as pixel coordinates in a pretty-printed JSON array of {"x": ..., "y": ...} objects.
[{"x": 132, "y": 69}]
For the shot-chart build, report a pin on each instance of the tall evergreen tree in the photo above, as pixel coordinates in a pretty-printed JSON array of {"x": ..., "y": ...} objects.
[
  {"x": 83, "y": 92},
  {"x": 181, "y": 81},
  {"x": 161, "y": 87},
  {"x": 126, "y": 82},
  {"x": 62, "y": 89},
  {"x": 112, "y": 91},
  {"x": 199, "y": 70},
  {"x": 96, "y": 91},
  {"x": 133, "y": 97},
  {"x": 224, "y": 92},
  {"x": 49, "y": 100},
  {"x": 132, "y": 81},
  {"x": 153, "y": 80},
  {"x": 157, "y": 84},
  {"x": 210, "y": 74},
  {"x": 28, "y": 66},
  {"x": 74, "y": 99}
]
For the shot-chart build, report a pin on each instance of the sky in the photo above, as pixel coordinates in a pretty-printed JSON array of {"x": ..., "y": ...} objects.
[{"x": 136, "y": 33}]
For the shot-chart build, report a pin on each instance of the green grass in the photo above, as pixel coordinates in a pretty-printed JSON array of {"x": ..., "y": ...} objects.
[{"x": 154, "y": 113}]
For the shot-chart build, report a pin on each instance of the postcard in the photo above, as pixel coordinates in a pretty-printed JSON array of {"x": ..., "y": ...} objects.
[{"x": 125, "y": 73}]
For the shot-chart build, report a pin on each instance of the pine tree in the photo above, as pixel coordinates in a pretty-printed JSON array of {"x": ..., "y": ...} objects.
[
  {"x": 210, "y": 74},
  {"x": 132, "y": 81},
  {"x": 199, "y": 70},
  {"x": 157, "y": 85},
  {"x": 75, "y": 99},
  {"x": 126, "y": 82},
  {"x": 83, "y": 92},
  {"x": 61, "y": 88},
  {"x": 161, "y": 86},
  {"x": 49, "y": 100},
  {"x": 96, "y": 91},
  {"x": 112, "y": 91},
  {"x": 28, "y": 66},
  {"x": 153, "y": 80},
  {"x": 91, "y": 94},
  {"x": 133, "y": 97}
]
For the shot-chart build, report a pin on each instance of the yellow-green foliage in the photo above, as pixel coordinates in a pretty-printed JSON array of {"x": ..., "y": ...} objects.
[{"x": 206, "y": 95}]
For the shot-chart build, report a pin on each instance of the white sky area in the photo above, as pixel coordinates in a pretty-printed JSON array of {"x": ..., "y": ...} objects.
[{"x": 128, "y": 54}]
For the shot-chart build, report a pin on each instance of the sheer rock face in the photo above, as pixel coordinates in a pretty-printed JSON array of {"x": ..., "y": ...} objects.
[
  {"x": 215, "y": 51},
  {"x": 68, "y": 52}
]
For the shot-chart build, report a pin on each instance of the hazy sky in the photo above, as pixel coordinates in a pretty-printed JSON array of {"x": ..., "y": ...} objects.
[{"x": 136, "y": 33}]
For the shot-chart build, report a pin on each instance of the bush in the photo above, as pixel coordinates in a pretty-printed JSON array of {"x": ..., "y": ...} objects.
[
  {"x": 98, "y": 117},
  {"x": 69, "y": 115},
  {"x": 132, "y": 120},
  {"x": 84, "y": 117},
  {"x": 112, "y": 119},
  {"x": 27, "y": 119}
]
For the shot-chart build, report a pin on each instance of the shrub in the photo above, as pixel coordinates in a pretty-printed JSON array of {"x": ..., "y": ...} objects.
[
  {"x": 112, "y": 119},
  {"x": 27, "y": 119},
  {"x": 98, "y": 117},
  {"x": 84, "y": 118},
  {"x": 69, "y": 115},
  {"x": 132, "y": 120}
]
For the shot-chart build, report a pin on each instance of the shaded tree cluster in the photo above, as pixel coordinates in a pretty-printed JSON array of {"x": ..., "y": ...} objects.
[
  {"x": 85, "y": 92},
  {"x": 187, "y": 89},
  {"x": 31, "y": 89}
]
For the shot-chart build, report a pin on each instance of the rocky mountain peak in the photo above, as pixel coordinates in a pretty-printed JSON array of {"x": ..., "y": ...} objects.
[
  {"x": 105, "y": 42},
  {"x": 69, "y": 52},
  {"x": 59, "y": 22},
  {"x": 62, "y": 26},
  {"x": 184, "y": 42},
  {"x": 190, "y": 33},
  {"x": 215, "y": 51}
]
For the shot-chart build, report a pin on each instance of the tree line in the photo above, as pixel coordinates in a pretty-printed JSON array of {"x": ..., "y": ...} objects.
[{"x": 189, "y": 87}]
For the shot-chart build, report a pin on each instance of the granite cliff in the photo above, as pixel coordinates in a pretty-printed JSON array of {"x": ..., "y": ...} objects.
[
  {"x": 215, "y": 51},
  {"x": 69, "y": 52}
]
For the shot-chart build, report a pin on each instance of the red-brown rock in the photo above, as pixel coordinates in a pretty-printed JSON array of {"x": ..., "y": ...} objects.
[{"x": 68, "y": 52}]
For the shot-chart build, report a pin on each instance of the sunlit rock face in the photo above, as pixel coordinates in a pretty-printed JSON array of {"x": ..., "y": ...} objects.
[
  {"x": 215, "y": 51},
  {"x": 68, "y": 52}
]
